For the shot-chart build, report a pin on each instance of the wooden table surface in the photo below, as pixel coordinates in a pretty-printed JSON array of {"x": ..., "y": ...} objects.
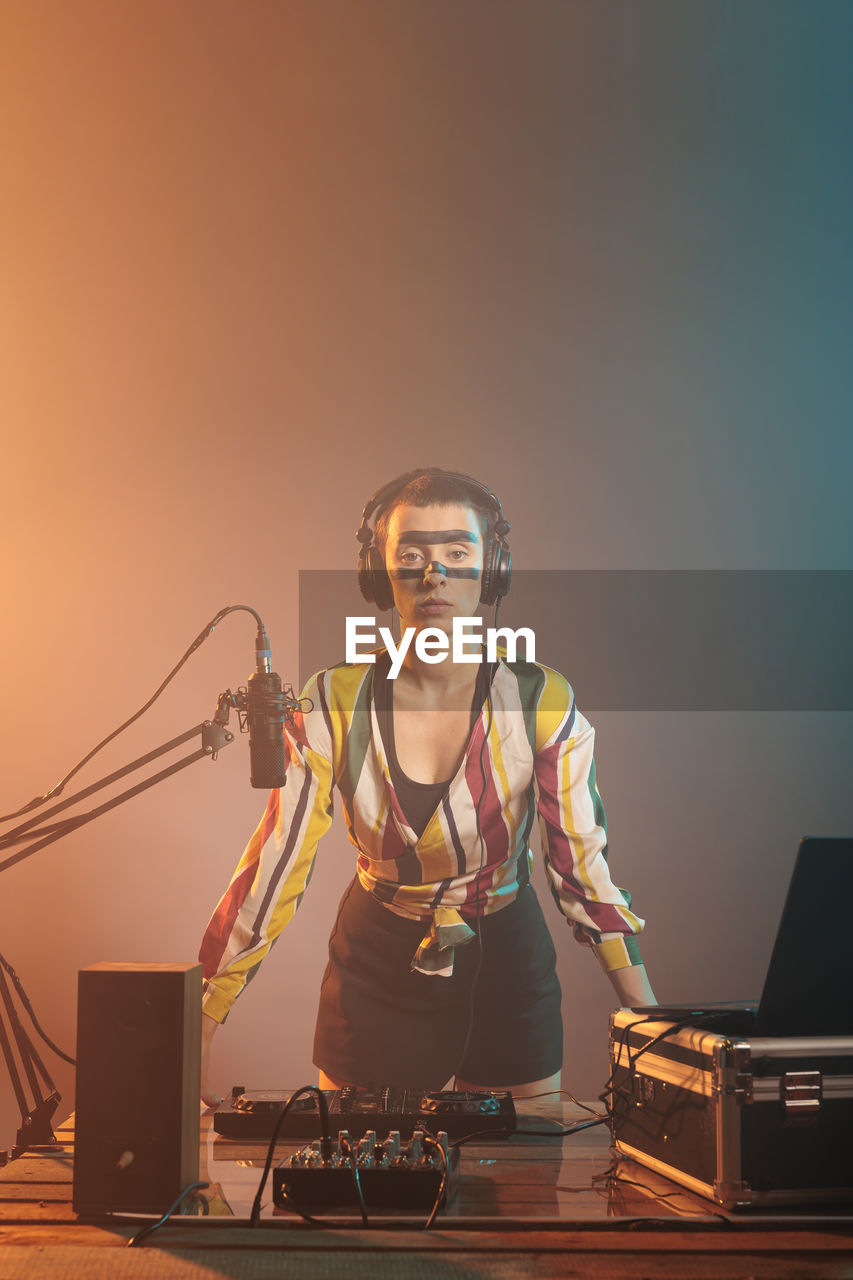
[{"x": 529, "y": 1206}]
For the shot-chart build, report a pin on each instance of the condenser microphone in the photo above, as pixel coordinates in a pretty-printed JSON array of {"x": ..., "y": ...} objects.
[{"x": 265, "y": 718}]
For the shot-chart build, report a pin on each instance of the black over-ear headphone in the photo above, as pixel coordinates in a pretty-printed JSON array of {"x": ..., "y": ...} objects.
[{"x": 373, "y": 580}]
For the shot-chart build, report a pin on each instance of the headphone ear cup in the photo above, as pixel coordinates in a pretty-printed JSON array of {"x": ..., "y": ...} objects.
[
  {"x": 373, "y": 578},
  {"x": 503, "y": 571},
  {"x": 491, "y": 558},
  {"x": 497, "y": 568},
  {"x": 364, "y": 575},
  {"x": 488, "y": 574}
]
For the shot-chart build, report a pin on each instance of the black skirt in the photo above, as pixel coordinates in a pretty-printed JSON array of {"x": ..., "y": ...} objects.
[{"x": 380, "y": 1023}]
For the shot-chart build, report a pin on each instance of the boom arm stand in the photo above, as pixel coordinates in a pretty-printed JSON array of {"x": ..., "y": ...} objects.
[{"x": 36, "y": 1129}]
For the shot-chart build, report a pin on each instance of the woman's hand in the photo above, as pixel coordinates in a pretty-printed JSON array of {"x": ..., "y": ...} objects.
[{"x": 208, "y": 1030}]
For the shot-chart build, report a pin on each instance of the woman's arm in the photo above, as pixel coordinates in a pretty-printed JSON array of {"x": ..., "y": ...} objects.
[
  {"x": 632, "y": 985},
  {"x": 208, "y": 1031},
  {"x": 269, "y": 882},
  {"x": 574, "y": 832}
]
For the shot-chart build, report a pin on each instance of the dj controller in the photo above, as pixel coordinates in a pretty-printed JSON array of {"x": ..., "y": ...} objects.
[{"x": 253, "y": 1113}]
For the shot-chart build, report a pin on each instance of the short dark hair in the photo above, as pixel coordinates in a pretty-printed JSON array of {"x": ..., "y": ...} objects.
[{"x": 427, "y": 489}]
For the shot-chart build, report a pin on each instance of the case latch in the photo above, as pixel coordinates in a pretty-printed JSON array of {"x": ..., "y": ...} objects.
[
  {"x": 744, "y": 1087},
  {"x": 802, "y": 1092}
]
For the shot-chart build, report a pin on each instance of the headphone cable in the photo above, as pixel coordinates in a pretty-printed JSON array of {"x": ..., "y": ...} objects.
[{"x": 481, "y": 867}]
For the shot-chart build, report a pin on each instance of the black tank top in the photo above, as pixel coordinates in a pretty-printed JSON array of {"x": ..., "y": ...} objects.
[{"x": 418, "y": 800}]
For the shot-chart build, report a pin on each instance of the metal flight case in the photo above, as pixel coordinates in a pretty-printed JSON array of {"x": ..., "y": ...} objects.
[{"x": 746, "y": 1121}]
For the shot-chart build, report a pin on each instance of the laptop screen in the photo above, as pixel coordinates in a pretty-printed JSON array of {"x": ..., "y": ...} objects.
[{"x": 809, "y": 986}]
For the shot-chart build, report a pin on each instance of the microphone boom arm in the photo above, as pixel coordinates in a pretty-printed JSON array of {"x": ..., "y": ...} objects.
[
  {"x": 36, "y": 1129},
  {"x": 214, "y": 736},
  {"x": 270, "y": 705}
]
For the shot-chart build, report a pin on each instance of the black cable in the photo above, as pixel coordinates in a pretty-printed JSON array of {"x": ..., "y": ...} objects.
[
  {"x": 623, "y": 1094},
  {"x": 136, "y": 1240},
  {"x": 547, "y": 1093},
  {"x": 562, "y": 1131},
  {"x": 200, "y": 638},
  {"x": 483, "y": 1133},
  {"x": 19, "y": 987},
  {"x": 306, "y": 1217},
  {"x": 479, "y": 917},
  {"x": 322, "y": 1222},
  {"x": 583, "y": 1105},
  {"x": 610, "y": 1093},
  {"x": 326, "y": 1147},
  {"x": 611, "y": 1177},
  {"x": 430, "y": 1141},
  {"x": 355, "y": 1178}
]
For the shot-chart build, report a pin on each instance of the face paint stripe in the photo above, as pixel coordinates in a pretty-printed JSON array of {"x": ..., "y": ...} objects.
[
  {"x": 434, "y": 537},
  {"x": 397, "y": 574}
]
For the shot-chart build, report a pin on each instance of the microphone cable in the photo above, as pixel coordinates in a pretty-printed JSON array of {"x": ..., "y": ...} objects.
[{"x": 199, "y": 640}]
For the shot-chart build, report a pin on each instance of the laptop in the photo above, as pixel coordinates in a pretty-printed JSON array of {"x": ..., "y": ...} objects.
[{"x": 808, "y": 990}]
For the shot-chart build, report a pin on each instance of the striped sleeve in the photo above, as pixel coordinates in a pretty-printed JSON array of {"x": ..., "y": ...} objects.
[
  {"x": 574, "y": 830},
  {"x": 275, "y": 868}
]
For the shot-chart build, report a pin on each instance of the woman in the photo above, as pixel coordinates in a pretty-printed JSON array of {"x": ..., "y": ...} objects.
[{"x": 440, "y": 962}]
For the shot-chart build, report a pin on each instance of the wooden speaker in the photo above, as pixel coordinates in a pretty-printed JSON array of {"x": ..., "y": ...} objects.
[{"x": 136, "y": 1140}]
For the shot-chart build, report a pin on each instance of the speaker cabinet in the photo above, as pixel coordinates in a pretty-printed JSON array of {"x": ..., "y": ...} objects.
[{"x": 138, "y": 1079}]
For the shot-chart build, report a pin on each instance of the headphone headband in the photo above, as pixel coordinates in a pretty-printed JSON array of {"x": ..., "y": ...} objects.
[{"x": 383, "y": 496}]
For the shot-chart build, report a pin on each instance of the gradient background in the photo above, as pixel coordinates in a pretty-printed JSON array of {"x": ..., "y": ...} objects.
[{"x": 259, "y": 258}]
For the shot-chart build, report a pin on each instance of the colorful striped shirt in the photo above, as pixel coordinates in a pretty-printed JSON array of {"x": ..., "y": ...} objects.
[{"x": 533, "y": 748}]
